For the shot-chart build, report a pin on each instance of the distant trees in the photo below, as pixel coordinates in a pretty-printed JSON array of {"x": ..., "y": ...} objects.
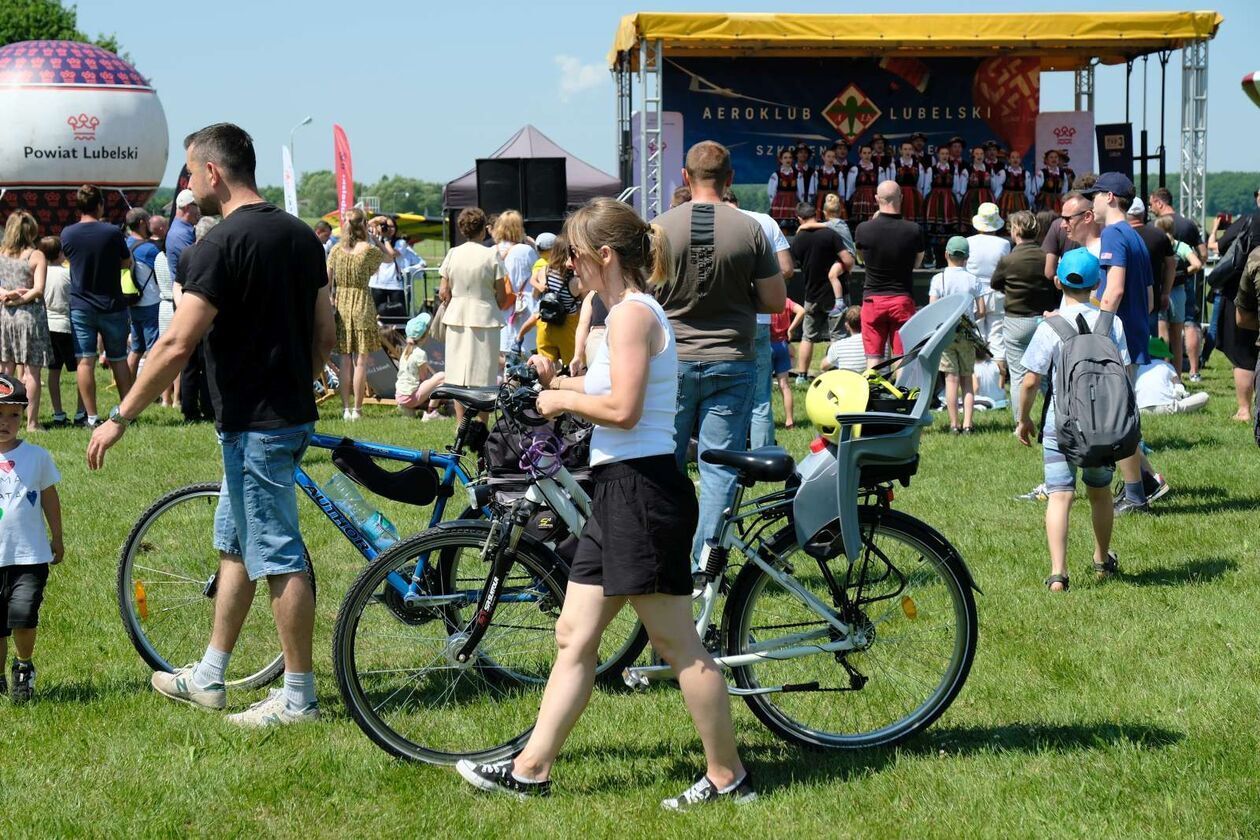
[{"x": 40, "y": 20}]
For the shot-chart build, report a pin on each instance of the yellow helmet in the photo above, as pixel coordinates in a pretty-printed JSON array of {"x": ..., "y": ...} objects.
[{"x": 836, "y": 392}]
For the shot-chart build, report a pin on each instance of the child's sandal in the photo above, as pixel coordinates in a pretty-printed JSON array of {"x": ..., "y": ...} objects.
[
  {"x": 1106, "y": 568},
  {"x": 1053, "y": 579}
]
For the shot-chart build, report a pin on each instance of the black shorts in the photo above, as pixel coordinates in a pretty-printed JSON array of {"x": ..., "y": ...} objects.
[
  {"x": 63, "y": 352},
  {"x": 21, "y": 593},
  {"x": 638, "y": 539}
]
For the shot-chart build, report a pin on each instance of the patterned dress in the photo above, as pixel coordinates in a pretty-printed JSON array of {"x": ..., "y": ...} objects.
[
  {"x": 825, "y": 184},
  {"x": 908, "y": 178},
  {"x": 862, "y": 204},
  {"x": 786, "y": 197},
  {"x": 24, "y": 336},
  {"x": 356, "y": 313},
  {"x": 979, "y": 191},
  {"x": 1050, "y": 196},
  {"x": 941, "y": 210},
  {"x": 1013, "y": 198},
  {"x": 805, "y": 176}
]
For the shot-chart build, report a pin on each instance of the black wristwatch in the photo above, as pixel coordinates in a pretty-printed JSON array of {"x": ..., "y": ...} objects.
[{"x": 116, "y": 415}]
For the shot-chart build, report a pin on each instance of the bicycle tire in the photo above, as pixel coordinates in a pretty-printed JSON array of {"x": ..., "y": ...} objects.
[
  {"x": 176, "y": 583},
  {"x": 852, "y": 719},
  {"x": 482, "y": 710}
]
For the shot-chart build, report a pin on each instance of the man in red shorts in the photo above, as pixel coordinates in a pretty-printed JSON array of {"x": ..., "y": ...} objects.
[{"x": 891, "y": 249}]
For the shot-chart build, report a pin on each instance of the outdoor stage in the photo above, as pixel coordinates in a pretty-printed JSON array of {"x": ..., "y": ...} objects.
[{"x": 758, "y": 82}]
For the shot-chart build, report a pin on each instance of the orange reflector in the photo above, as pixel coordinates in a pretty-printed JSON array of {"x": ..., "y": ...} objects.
[
  {"x": 908, "y": 607},
  {"x": 142, "y": 602}
]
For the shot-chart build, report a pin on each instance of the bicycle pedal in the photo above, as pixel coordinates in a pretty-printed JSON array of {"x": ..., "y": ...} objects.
[{"x": 635, "y": 679}]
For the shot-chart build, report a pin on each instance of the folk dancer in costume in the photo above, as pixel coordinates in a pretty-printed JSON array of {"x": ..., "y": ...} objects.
[
  {"x": 1015, "y": 184},
  {"x": 1049, "y": 184},
  {"x": 977, "y": 187},
  {"x": 863, "y": 179},
  {"x": 784, "y": 190},
  {"x": 805, "y": 171},
  {"x": 841, "y": 149},
  {"x": 958, "y": 153},
  {"x": 991, "y": 152},
  {"x": 940, "y": 214},
  {"x": 828, "y": 180},
  {"x": 921, "y": 153},
  {"x": 913, "y": 180},
  {"x": 881, "y": 156},
  {"x": 1069, "y": 174}
]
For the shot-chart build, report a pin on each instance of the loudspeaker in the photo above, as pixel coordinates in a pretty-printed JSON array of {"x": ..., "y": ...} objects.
[
  {"x": 500, "y": 184},
  {"x": 534, "y": 227},
  {"x": 546, "y": 188}
]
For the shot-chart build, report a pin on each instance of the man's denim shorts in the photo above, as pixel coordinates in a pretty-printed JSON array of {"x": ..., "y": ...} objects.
[
  {"x": 1176, "y": 311},
  {"x": 257, "y": 517},
  {"x": 1061, "y": 474},
  {"x": 113, "y": 328}
]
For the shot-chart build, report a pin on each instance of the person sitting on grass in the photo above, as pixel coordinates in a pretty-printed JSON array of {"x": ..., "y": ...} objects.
[
  {"x": 1077, "y": 275},
  {"x": 28, "y": 497},
  {"x": 1157, "y": 386},
  {"x": 958, "y": 362},
  {"x": 848, "y": 353},
  {"x": 416, "y": 380},
  {"x": 781, "y": 326},
  {"x": 986, "y": 381}
]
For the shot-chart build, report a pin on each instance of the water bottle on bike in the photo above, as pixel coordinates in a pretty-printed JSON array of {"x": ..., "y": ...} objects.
[{"x": 370, "y": 521}]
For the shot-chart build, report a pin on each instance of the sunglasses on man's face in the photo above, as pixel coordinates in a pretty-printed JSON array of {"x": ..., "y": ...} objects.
[{"x": 1071, "y": 218}]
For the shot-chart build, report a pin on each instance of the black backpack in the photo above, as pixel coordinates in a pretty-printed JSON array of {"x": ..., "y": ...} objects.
[
  {"x": 1229, "y": 269},
  {"x": 1095, "y": 408}
]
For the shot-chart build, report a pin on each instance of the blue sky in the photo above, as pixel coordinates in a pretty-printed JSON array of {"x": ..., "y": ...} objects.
[{"x": 424, "y": 88}]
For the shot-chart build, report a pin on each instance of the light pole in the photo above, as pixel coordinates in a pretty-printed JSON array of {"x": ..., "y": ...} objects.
[{"x": 292, "y": 156}]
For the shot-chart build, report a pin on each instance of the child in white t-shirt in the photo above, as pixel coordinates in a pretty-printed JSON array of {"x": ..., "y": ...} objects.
[
  {"x": 28, "y": 497},
  {"x": 1157, "y": 387},
  {"x": 987, "y": 382},
  {"x": 416, "y": 380},
  {"x": 959, "y": 359}
]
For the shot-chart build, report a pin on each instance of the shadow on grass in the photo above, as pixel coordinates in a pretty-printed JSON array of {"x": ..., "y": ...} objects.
[
  {"x": 90, "y": 692},
  {"x": 779, "y": 765},
  {"x": 1216, "y": 502},
  {"x": 1194, "y": 571},
  {"x": 1169, "y": 443}
]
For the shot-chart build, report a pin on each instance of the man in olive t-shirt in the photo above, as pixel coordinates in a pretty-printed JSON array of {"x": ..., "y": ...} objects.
[{"x": 726, "y": 272}]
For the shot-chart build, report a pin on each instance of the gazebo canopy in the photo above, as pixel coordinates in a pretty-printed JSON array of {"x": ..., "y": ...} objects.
[{"x": 1062, "y": 41}]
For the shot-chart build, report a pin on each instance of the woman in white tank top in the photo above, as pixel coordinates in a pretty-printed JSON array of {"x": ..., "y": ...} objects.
[{"x": 631, "y": 549}]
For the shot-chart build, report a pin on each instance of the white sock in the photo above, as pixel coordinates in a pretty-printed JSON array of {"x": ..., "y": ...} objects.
[
  {"x": 92, "y": 418},
  {"x": 299, "y": 690},
  {"x": 732, "y": 785},
  {"x": 211, "y": 668}
]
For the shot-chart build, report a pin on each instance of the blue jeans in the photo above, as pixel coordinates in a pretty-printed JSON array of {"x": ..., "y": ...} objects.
[
  {"x": 762, "y": 433},
  {"x": 85, "y": 324},
  {"x": 716, "y": 398},
  {"x": 257, "y": 517},
  {"x": 144, "y": 328}
]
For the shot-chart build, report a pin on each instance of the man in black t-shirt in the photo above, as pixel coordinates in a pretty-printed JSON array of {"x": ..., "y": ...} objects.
[
  {"x": 252, "y": 292},
  {"x": 820, "y": 252},
  {"x": 891, "y": 249},
  {"x": 1188, "y": 284}
]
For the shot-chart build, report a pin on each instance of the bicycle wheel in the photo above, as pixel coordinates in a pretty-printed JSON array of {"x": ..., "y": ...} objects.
[
  {"x": 623, "y": 641},
  {"x": 918, "y": 617},
  {"x": 398, "y": 673},
  {"x": 167, "y": 575}
]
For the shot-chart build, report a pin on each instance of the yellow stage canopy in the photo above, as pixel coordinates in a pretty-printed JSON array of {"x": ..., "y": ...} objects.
[{"x": 1063, "y": 41}]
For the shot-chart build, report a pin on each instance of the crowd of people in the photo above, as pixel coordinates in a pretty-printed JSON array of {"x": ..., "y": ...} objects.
[{"x": 658, "y": 334}]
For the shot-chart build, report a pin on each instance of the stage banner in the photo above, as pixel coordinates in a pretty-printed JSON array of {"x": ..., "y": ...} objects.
[
  {"x": 290, "y": 184},
  {"x": 673, "y": 151},
  {"x": 344, "y": 171},
  {"x": 1067, "y": 131},
  {"x": 757, "y": 106},
  {"x": 1115, "y": 148}
]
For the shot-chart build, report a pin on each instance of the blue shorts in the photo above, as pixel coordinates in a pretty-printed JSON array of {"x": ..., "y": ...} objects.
[
  {"x": 112, "y": 327},
  {"x": 1192, "y": 298},
  {"x": 257, "y": 517},
  {"x": 144, "y": 328},
  {"x": 1061, "y": 474},
  {"x": 1176, "y": 311},
  {"x": 780, "y": 357}
]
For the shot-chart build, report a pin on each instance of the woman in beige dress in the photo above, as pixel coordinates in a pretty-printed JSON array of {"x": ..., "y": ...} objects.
[
  {"x": 351, "y": 264},
  {"x": 472, "y": 289}
]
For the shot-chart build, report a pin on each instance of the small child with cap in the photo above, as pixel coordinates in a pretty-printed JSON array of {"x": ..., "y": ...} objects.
[
  {"x": 1077, "y": 275},
  {"x": 958, "y": 362},
  {"x": 416, "y": 380},
  {"x": 28, "y": 497}
]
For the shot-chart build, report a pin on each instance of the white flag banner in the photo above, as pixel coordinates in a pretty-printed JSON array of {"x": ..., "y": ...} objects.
[
  {"x": 290, "y": 183},
  {"x": 1067, "y": 131}
]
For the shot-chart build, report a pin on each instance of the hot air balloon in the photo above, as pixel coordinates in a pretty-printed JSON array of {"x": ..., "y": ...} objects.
[{"x": 1251, "y": 86}]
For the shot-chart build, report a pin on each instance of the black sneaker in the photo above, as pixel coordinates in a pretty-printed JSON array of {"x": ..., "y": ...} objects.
[
  {"x": 80, "y": 419},
  {"x": 23, "y": 677},
  {"x": 498, "y": 778},
  {"x": 1127, "y": 505},
  {"x": 704, "y": 792}
]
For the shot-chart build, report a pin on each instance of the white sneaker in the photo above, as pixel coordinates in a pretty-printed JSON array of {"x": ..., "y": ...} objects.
[
  {"x": 345, "y": 414},
  {"x": 354, "y": 414},
  {"x": 181, "y": 686},
  {"x": 274, "y": 711},
  {"x": 430, "y": 416}
]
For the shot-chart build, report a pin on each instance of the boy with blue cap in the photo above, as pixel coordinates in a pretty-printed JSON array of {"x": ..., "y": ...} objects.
[{"x": 1078, "y": 274}]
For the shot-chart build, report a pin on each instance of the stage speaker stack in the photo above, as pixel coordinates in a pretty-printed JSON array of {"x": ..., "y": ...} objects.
[{"x": 537, "y": 187}]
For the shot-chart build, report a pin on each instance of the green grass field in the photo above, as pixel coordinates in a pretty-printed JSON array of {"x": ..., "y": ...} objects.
[{"x": 1118, "y": 710}]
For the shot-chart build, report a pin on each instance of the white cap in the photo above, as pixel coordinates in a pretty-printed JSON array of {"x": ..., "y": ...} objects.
[
  {"x": 1137, "y": 208},
  {"x": 184, "y": 198}
]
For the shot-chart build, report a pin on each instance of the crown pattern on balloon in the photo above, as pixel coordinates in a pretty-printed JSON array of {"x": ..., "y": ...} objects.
[
  {"x": 83, "y": 126},
  {"x": 1065, "y": 132}
]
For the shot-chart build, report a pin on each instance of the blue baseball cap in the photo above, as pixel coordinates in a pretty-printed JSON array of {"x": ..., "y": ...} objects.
[
  {"x": 1112, "y": 182},
  {"x": 1078, "y": 269}
]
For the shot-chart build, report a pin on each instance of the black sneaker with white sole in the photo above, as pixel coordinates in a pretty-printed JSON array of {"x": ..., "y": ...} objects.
[
  {"x": 22, "y": 676},
  {"x": 499, "y": 778},
  {"x": 704, "y": 791}
]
